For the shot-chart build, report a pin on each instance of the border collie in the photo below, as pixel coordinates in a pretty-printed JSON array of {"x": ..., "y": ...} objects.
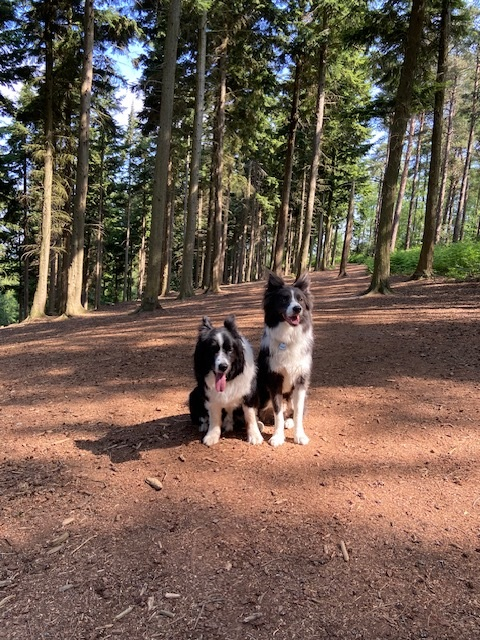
[
  {"x": 285, "y": 356},
  {"x": 225, "y": 371}
]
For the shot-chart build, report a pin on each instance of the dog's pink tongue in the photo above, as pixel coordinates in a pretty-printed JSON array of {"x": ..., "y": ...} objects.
[{"x": 220, "y": 382}]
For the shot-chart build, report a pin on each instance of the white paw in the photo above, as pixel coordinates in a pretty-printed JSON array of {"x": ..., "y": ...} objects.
[
  {"x": 211, "y": 438},
  {"x": 203, "y": 425},
  {"x": 289, "y": 423},
  {"x": 228, "y": 423},
  {"x": 261, "y": 426},
  {"x": 301, "y": 439},
  {"x": 276, "y": 440},
  {"x": 255, "y": 439}
]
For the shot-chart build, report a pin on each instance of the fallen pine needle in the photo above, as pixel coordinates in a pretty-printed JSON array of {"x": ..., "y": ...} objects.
[
  {"x": 252, "y": 617},
  {"x": 344, "y": 551},
  {"x": 6, "y": 599},
  {"x": 124, "y": 613},
  {"x": 82, "y": 544},
  {"x": 60, "y": 539},
  {"x": 166, "y": 613}
]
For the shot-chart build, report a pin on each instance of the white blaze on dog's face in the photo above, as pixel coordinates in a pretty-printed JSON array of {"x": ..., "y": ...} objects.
[
  {"x": 222, "y": 345},
  {"x": 294, "y": 310}
]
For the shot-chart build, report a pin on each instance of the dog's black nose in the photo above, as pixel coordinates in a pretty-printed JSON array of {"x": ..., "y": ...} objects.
[
  {"x": 297, "y": 309},
  {"x": 222, "y": 367}
]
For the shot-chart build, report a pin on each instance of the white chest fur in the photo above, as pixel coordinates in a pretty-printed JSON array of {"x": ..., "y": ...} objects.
[{"x": 290, "y": 351}]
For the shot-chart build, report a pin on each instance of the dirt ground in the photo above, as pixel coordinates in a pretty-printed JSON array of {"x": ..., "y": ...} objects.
[{"x": 244, "y": 542}]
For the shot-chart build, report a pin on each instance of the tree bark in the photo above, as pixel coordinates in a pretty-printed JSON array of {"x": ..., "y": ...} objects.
[
  {"x": 100, "y": 225},
  {"x": 446, "y": 154},
  {"x": 216, "y": 274},
  {"x": 76, "y": 266},
  {"x": 162, "y": 157},
  {"x": 402, "y": 186},
  {"x": 288, "y": 167},
  {"x": 348, "y": 235},
  {"x": 402, "y": 110},
  {"x": 186, "y": 283},
  {"x": 302, "y": 263},
  {"x": 463, "y": 196},
  {"x": 424, "y": 267},
  {"x": 40, "y": 297},
  {"x": 414, "y": 183}
]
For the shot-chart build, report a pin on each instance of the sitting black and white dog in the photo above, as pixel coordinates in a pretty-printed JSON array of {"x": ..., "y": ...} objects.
[
  {"x": 285, "y": 357},
  {"x": 225, "y": 371}
]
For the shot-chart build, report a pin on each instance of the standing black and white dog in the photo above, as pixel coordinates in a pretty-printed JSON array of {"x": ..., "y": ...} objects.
[
  {"x": 285, "y": 357},
  {"x": 225, "y": 371}
]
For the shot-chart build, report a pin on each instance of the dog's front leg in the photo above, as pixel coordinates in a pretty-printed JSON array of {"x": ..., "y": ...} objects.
[
  {"x": 254, "y": 436},
  {"x": 215, "y": 421},
  {"x": 278, "y": 437},
  {"x": 298, "y": 401}
]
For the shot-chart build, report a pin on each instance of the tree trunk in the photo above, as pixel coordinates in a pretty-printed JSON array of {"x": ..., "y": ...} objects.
[
  {"x": 424, "y": 267},
  {"x": 40, "y": 297},
  {"x": 327, "y": 229},
  {"x": 302, "y": 264},
  {"x": 162, "y": 158},
  {"x": 402, "y": 186},
  {"x": 100, "y": 228},
  {"x": 242, "y": 253},
  {"x": 142, "y": 250},
  {"x": 402, "y": 110},
  {"x": 414, "y": 183},
  {"x": 76, "y": 266},
  {"x": 186, "y": 282},
  {"x": 348, "y": 235},
  {"x": 288, "y": 166},
  {"x": 463, "y": 197},
  {"x": 216, "y": 274},
  {"x": 166, "y": 263},
  {"x": 446, "y": 154},
  {"x": 127, "y": 287}
]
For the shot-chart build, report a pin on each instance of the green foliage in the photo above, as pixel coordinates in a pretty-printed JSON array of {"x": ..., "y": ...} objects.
[
  {"x": 8, "y": 308},
  {"x": 458, "y": 260}
]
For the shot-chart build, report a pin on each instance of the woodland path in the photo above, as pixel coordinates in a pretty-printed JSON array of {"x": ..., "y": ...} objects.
[{"x": 244, "y": 542}]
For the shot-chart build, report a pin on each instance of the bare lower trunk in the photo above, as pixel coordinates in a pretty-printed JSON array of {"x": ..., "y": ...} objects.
[
  {"x": 216, "y": 275},
  {"x": 403, "y": 183},
  {"x": 348, "y": 235},
  {"x": 40, "y": 296},
  {"x": 162, "y": 158},
  {"x": 76, "y": 266},
  {"x": 288, "y": 166},
  {"x": 382, "y": 268},
  {"x": 302, "y": 263},
  {"x": 424, "y": 267},
  {"x": 186, "y": 283}
]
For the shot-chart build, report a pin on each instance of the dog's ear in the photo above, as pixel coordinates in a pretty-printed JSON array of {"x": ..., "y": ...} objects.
[
  {"x": 205, "y": 326},
  {"x": 303, "y": 282},
  {"x": 231, "y": 326},
  {"x": 274, "y": 281}
]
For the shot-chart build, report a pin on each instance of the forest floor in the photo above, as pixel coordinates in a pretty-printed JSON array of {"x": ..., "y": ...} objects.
[{"x": 244, "y": 542}]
